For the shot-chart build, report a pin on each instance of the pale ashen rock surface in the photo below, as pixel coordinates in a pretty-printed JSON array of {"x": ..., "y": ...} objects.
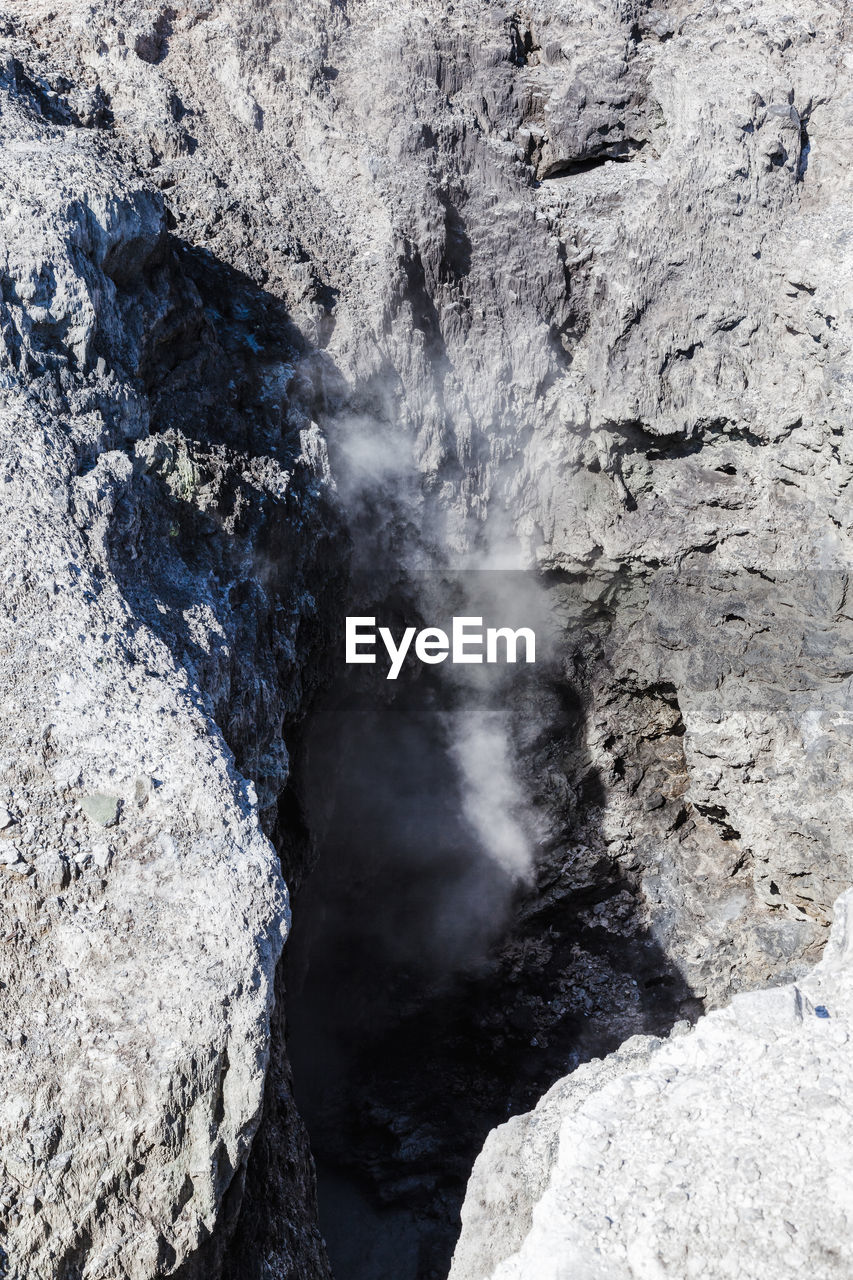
[
  {"x": 143, "y": 905},
  {"x": 724, "y": 1151},
  {"x": 138, "y": 957}
]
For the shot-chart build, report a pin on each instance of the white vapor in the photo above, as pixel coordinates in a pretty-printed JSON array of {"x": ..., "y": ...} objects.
[{"x": 492, "y": 799}]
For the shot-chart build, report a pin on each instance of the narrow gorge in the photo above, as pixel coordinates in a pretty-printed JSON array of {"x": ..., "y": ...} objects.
[{"x": 413, "y": 312}]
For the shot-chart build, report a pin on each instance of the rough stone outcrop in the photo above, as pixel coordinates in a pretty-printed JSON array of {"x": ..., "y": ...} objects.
[
  {"x": 580, "y": 272},
  {"x": 143, "y": 904},
  {"x": 722, "y": 1151}
]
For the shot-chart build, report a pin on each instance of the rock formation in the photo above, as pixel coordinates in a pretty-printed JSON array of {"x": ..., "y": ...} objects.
[
  {"x": 158, "y": 618},
  {"x": 289, "y": 290},
  {"x": 724, "y": 1151}
]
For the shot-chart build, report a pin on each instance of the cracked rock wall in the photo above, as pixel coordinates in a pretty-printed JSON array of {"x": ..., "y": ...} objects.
[
  {"x": 580, "y": 271},
  {"x": 580, "y": 279},
  {"x": 143, "y": 904}
]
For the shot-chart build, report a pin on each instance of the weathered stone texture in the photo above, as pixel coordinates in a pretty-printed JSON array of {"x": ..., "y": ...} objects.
[{"x": 568, "y": 285}]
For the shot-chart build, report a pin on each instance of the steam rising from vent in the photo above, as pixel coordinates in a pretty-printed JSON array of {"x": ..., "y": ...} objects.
[
  {"x": 417, "y": 791},
  {"x": 492, "y": 798},
  {"x": 427, "y": 837},
  {"x": 371, "y": 459},
  {"x": 420, "y": 558}
]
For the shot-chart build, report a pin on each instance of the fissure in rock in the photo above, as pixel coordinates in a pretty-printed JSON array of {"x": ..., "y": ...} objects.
[
  {"x": 434, "y": 989},
  {"x": 408, "y": 235}
]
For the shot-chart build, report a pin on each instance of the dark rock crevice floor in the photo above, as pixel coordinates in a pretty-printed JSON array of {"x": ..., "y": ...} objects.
[{"x": 430, "y": 997}]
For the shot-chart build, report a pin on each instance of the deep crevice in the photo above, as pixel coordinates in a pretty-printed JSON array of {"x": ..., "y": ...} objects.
[
  {"x": 625, "y": 152},
  {"x": 430, "y": 995}
]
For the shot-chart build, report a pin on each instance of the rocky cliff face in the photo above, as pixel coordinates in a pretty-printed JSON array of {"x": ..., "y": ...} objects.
[
  {"x": 164, "y": 592},
  {"x": 290, "y": 287}
]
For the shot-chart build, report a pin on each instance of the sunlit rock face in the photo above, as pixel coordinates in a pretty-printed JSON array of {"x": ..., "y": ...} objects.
[
  {"x": 164, "y": 577},
  {"x": 296, "y": 294},
  {"x": 672, "y": 1157}
]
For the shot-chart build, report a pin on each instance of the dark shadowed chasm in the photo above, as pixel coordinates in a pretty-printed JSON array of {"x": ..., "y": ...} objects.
[{"x": 430, "y": 994}]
